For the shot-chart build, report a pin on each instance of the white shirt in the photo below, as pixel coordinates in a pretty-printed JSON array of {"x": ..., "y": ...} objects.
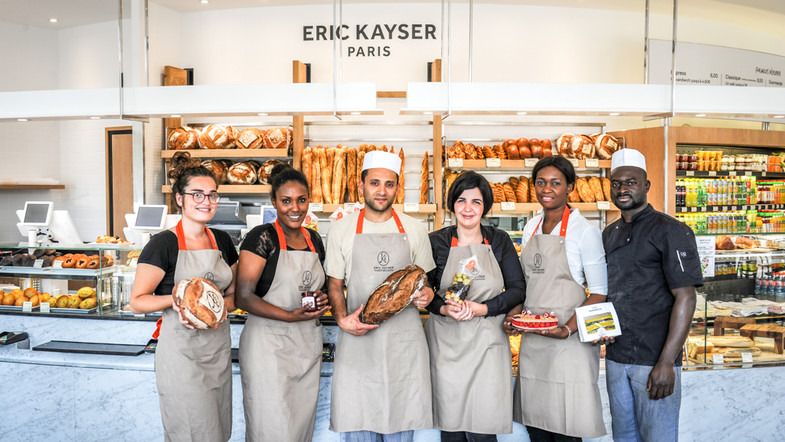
[{"x": 585, "y": 252}]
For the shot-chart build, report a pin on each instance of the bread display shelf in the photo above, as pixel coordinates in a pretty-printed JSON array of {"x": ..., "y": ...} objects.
[
  {"x": 52, "y": 273},
  {"x": 497, "y": 208},
  {"x": 517, "y": 164},
  {"x": 229, "y": 153},
  {"x": 236, "y": 189},
  {"x": 405, "y": 208}
]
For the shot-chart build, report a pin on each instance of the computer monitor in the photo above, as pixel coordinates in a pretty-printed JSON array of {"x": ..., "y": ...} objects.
[
  {"x": 269, "y": 214},
  {"x": 38, "y": 213},
  {"x": 150, "y": 217}
]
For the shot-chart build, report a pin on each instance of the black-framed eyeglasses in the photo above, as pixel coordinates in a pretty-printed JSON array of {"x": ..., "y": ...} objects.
[{"x": 199, "y": 197}]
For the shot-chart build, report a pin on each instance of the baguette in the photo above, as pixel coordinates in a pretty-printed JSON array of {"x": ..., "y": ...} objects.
[
  {"x": 326, "y": 178},
  {"x": 401, "y": 178},
  {"x": 316, "y": 177},
  {"x": 532, "y": 191},
  {"x": 424, "y": 179},
  {"x": 339, "y": 175},
  {"x": 584, "y": 190},
  {"x": 351, "y": 174},
  {"x": 509, "y": 193},
  {"x": 360, "y": 160}
]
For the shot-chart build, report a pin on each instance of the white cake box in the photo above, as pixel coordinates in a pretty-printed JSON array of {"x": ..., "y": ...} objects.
[{"x": 597, "y": 321}]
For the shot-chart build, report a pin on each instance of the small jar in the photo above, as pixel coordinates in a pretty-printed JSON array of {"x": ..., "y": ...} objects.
[{"x": 308, "y": 299}]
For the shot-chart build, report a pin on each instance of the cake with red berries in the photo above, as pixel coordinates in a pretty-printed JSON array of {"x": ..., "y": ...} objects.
[{"x": 529, "y": 321}]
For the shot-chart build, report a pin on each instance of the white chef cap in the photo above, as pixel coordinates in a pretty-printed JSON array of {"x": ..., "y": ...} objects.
[
  {"x": 628, "y": 157},
  {"x": 381, "y": 159}
]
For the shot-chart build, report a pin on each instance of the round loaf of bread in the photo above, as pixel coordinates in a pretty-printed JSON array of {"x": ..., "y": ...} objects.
[
  {"x": 265, "y": 169},
  {"x": 218, "y": 169},
  {"x": 606, "y": 145},
  {"x": 183, "y": 138},
  {"x": 215, "y": 136},
  {"x": 277, "y": 138},
  {"x": 201, "y": 302},
  {"x": 241, "y": 173},
  {"x": 582, "y": 147},
  {"x": 564, "y": 144},
  {"x": 251, "y": 138}
]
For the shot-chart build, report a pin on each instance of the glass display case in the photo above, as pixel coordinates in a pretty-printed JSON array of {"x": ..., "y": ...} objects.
[
  {"x": 738, "y": 319},
  {"x": 92, "y": 280}
]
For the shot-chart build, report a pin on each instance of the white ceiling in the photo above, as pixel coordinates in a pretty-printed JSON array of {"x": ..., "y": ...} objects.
[{"x": 81, "y": 12}]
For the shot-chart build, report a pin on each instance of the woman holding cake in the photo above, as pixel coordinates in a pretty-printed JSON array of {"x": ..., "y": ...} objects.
[
  {"x": 193, "y": 368},
  {"x": 561, "y": 253},
  {"x": 471, "y": 374},
  {"x": 281, "y": 343}
]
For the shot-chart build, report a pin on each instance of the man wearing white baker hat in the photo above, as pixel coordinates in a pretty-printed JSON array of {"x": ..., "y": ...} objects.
[
  {"x": 653, "y": 269},
  {"x": 381, "y": 376}
]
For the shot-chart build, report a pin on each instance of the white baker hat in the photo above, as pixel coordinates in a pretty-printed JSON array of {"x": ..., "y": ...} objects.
[
  {"x": 381, "y": 159},
  {"x": 628, "y": 157}
]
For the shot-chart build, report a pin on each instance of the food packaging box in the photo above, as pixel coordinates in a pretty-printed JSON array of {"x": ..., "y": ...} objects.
[{"x": 596, "y": 321}]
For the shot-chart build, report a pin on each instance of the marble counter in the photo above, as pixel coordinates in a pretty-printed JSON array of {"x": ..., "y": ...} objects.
[{"x": 69, "y": 397}]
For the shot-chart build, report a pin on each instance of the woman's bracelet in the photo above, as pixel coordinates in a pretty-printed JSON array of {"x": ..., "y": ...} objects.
[{"x": 569, "y": 332}]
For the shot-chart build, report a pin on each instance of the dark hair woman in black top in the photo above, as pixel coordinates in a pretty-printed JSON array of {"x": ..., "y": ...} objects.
[
  {"x": 192, "y": 367},
  {"x": 280, "y": 279},
  {"x": 471, "y": 375}
]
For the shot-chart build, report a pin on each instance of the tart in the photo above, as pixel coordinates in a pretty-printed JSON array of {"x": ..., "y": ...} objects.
[{"x": 531, "y": 322}]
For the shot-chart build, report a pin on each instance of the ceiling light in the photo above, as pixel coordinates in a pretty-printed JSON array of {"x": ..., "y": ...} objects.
[
  {"x": 355, "y": 113},
  {"x": 22, "y": 119},
  {"x": 700, "y": 115},
  {"x": 204, "y": 2},
  {"x": 52, "y": 20},
  {"x": 427, "y": 113},
  {"x": 521, "y": 113},
  {"x": 614, "y": 114},
  {"x": 175, "y": 115},
  {"x": 779, "y": 116},
  {"x": 262, "y": 114},
  {"x": 95, "y": 118}
]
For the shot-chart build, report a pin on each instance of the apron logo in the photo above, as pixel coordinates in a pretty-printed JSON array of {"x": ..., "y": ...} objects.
[
  {"x": 383, "y": 258},
  {"x": 209, "y": 276},
  {"x": 537, "y": 261},
  {"x": 307, "y": 278}
]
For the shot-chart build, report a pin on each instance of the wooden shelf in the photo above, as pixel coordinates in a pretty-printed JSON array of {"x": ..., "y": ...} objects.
[
  {"x": 32, "y": 186},
  {"x": 233, "y": 189},
  {"x": 229, "y": 153},
  {"x": 534, "y": 207},
  {"x": 421, "y": 208},
  {"x": 521, "y": 164}
]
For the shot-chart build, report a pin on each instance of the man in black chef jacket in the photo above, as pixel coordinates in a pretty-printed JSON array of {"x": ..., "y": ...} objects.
[{"x": 653, "y": 269}]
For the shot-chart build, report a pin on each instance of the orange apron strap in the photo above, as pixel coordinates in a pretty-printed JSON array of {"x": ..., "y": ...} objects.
[
  {"x": 282, "y": 237},
  {"x": 181, "y": 237},
  {"x": 362, "y": 217},
  {"x": 454, "y": 242},
  {"x": 158, "y": 327},
  {"x": 565, "y": 218}
]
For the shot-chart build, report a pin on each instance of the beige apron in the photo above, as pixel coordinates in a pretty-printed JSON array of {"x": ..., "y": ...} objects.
[
  {"x": 280, "y": 362},
  {"x": 193, "y": 368},
  {"x": 471, "y": 368},
  {"x": 381, "y": 380},
  {"x": 557, "y": 378}
]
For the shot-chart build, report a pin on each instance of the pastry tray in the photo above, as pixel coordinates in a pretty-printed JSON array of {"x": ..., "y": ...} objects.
[
  {"x": 15, "y": 308},
  {"x": 97, "y": 348}
]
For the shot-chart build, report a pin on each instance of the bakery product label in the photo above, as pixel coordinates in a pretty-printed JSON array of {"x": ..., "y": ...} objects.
[{"x": 597, "y": 321}]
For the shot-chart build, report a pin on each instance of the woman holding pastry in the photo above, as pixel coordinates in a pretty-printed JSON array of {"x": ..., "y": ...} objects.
[
  {"x": 471, "y": 374},
  {"x": 192, "y": 366},
  {"x": 280, "y": 278},
  {"x": 561, "y": 252}
]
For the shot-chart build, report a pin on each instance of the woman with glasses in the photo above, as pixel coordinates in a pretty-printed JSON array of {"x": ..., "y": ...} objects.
[
  {"x": 556, "y": 394},
  {"x": 279, "y": 283},
  {"x": 192, "y": 367}
]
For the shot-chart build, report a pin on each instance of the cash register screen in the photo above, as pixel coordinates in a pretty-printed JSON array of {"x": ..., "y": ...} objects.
[
  {"x": 38, "y": 213},
  {"x": 151, "y": 217}
]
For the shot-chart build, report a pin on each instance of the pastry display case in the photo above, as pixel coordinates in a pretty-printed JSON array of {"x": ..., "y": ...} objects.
[{"x": 93, "y": 280}]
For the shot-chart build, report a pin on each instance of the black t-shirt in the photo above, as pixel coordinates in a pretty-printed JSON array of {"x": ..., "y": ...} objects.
[
  {"x": 504, "y": 252},
  {"x": 162, "y": 251},
  {"x": 646, "y": 259},
  {"x": 263, "y": 241}
]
